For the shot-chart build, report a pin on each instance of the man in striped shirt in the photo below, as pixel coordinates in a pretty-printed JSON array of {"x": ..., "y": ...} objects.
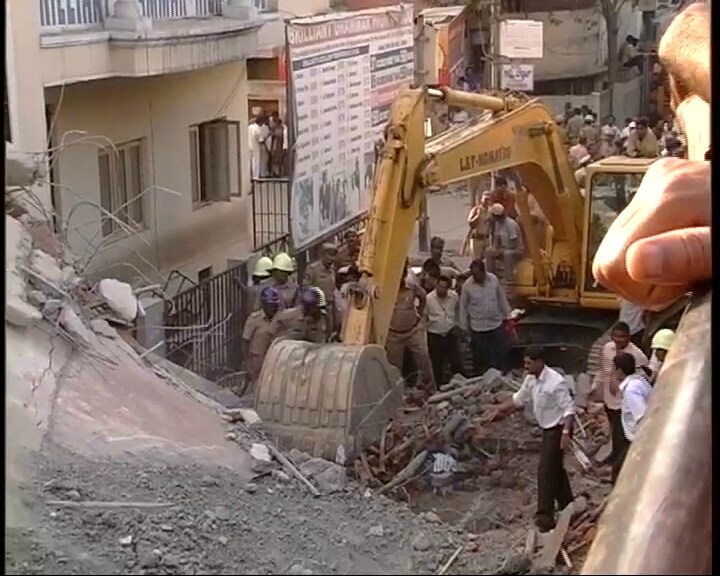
[{"x": 607, "y": 383}]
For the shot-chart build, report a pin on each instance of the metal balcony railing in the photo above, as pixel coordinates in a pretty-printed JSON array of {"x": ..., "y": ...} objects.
[{"x": 92, "y": 13}]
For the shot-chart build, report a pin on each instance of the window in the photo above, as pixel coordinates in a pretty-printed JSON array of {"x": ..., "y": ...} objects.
[
  {"x": 121, "y": 186},
  {"x": 610, "y": 193},
  {"x": 215, "y": 161}
]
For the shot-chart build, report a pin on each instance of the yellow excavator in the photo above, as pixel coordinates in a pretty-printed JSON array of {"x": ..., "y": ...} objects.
[{"x": 337, "y": 397}]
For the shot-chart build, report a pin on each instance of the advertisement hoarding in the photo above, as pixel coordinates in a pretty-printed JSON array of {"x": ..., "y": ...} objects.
[
  {"x": 521, "y": 39},
  {"x": 345, "y": 71},
  {"x": 517, "y": 77}
]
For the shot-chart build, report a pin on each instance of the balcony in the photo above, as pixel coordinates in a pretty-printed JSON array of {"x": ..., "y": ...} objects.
[{"x": 88, "y": 39}]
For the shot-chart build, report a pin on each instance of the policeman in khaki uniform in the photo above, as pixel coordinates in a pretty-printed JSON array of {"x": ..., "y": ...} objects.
[
  {"x": 282, "y": 268},
  {"x": 260, "y": 274},
  {"x": 257, "y": 334},
  {"x": 304, "y": 322},
  {"x": 407, "y": 331},
  {"x": 321, "y": 274}
]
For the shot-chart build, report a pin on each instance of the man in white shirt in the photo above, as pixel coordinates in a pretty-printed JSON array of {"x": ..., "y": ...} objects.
[
  {"x": 606, "y": 381},
  {"x": 548, "y": 393},
  {"x": 636, "y": 391},
  {"x": 578, "y": 152},
  {"x": 634, "y": 316},
  {"x": 441, "y": 307},
  {"x": 258, "y": 133}
]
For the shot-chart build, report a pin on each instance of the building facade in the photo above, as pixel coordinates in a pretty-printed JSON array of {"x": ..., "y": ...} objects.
[{"x": 143, "y": 104}]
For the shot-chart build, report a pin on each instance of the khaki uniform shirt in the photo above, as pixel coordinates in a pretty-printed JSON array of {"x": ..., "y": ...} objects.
[
  {"x": 645, "y": 148},
  {"x": 294, "y": 325},
  {"x": 345, "y": 257},
  {"x": 319, "y": 275},
  {"x": 405, "y": 316},
  {"x": 258, "y": 335}
]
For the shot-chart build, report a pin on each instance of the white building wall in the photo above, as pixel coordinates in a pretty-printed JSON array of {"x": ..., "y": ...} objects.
[{"x": 159, "y": 110}]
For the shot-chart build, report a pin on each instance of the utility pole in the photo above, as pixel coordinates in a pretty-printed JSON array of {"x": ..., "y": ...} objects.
[
  {"x": 495, "y": 7},
  {"x": 647, "y": 43},
  {"x": 420, "y": 79}
]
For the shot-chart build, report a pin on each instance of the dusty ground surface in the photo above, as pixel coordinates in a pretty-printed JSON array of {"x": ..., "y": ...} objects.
[{"x": 217, "y": 525}]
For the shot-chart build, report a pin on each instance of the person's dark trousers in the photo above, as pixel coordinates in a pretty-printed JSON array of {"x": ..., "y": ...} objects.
[
  {"x": 552, "y": 482},
  {"x": 617, "y": 436},
  {"x": 444, "y": 352},
  {"x": 490, "y": 350},
  {"x": 622, "y": 452},
  {"x": 637, "y": 338}
]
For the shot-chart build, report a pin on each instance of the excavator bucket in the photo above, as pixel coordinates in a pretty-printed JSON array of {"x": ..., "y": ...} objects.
[{"x": 329, "y": 400}]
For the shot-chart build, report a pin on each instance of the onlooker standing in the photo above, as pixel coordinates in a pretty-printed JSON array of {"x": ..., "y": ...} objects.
[
  {"x": 549, "y": 395},
  {"x": 636, "y": 391},
  {"x": 590, "y": 131},
  {"x": 321, "y": 273},
  {"x": 303, "y": 322},
  {"x": 437, "y": 253},
  {"x": 441, "y": 308},
  {"x": 575, "y": 124},
  {"x": 407, "y": 332},
  {"x": 578, "y": 152},
  {"x": 634, "y": 316},
  {"x": 258, "y": 133},
  {"x": 502, "y": 194},
  {"x": 277, "y": 146},
  {"x": 606, "y": 381},
  {"x": 642, "y": 143},
  {"x": 478, "y": 222},
  {"x": 281, "y": 279},
  {"x": 483, "y": 311},
  {"x": 504, "y": 243},
  {"x": 349, "y": 250}
]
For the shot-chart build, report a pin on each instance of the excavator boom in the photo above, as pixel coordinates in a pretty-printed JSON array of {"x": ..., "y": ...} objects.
[{"x": 349, "y": 390}]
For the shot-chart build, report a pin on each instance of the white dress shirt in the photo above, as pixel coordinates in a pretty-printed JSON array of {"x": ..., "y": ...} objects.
[
  {"x": 632, "y": 315},
  {"x": 605, "y": 374},
  {"x": 441, "y": 312},
  {"x": 550, "y": 397},
  {"x": 635, "y": 392}
]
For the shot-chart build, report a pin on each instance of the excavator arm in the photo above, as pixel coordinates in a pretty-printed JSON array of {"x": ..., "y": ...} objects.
[{"x": 511, "y": 134}]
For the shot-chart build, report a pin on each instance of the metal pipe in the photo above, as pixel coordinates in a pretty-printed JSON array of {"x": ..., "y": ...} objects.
[
  {"x": 463, "y": 99},
  {"x": 659, "y": 516}
]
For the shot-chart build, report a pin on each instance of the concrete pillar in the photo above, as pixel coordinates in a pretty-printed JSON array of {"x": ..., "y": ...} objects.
[
  {"x": 26, "y": 93},
  {"x": 240, "y": 9},
  {"x": 128, "y": 15}
]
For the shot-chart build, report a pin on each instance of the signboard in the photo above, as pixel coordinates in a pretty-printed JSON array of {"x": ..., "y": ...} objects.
[
  {"x": 345, "y": 70},
  {"x": 517, "y": 77},
  {"x": 450, "y": 53},
  {"x": 521, "y": 39}
]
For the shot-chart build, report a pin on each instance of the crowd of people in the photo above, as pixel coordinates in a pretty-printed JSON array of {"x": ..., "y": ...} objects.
[{"x": 588, "y": 139}]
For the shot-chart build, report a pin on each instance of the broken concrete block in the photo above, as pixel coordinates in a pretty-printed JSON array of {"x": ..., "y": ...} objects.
[
  {"x": 328, "y": 476},
  {"x": 119, "y": 297},
  {"x": 22, "y": 168},
  {"x": 37, "y": 298},
  {"x": 262, "y": 459},
  {"x": 74, "y": 325},
  {"x": 46, "y": 267},
  {"x": 100, "y": 326},
  {"x": 20, "y": 313}
]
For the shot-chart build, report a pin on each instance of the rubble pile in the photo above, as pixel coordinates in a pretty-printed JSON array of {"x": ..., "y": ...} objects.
[{"x": 442, "y": 442}]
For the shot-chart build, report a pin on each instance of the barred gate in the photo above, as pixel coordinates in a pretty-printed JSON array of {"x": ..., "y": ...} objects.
[
  {"x": 271, "y": 214},
  {"x": 204, "y": 327}
]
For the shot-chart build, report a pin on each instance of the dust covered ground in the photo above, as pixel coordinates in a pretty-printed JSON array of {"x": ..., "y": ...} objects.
[{"x": 219, "y": 526}]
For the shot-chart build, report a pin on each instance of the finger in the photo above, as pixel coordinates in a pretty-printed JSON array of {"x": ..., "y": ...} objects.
[{"x": 680, "y": 258}]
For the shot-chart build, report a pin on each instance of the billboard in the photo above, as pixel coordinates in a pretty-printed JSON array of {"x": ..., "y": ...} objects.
[
  {"x": 345, "y": 71},
  {"x": 517, "y": 77},
  {"x": 451, "y": 47}
]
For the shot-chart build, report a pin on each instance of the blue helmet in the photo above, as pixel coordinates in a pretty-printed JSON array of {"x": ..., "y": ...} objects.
[{"x": 269, "y": 295}]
